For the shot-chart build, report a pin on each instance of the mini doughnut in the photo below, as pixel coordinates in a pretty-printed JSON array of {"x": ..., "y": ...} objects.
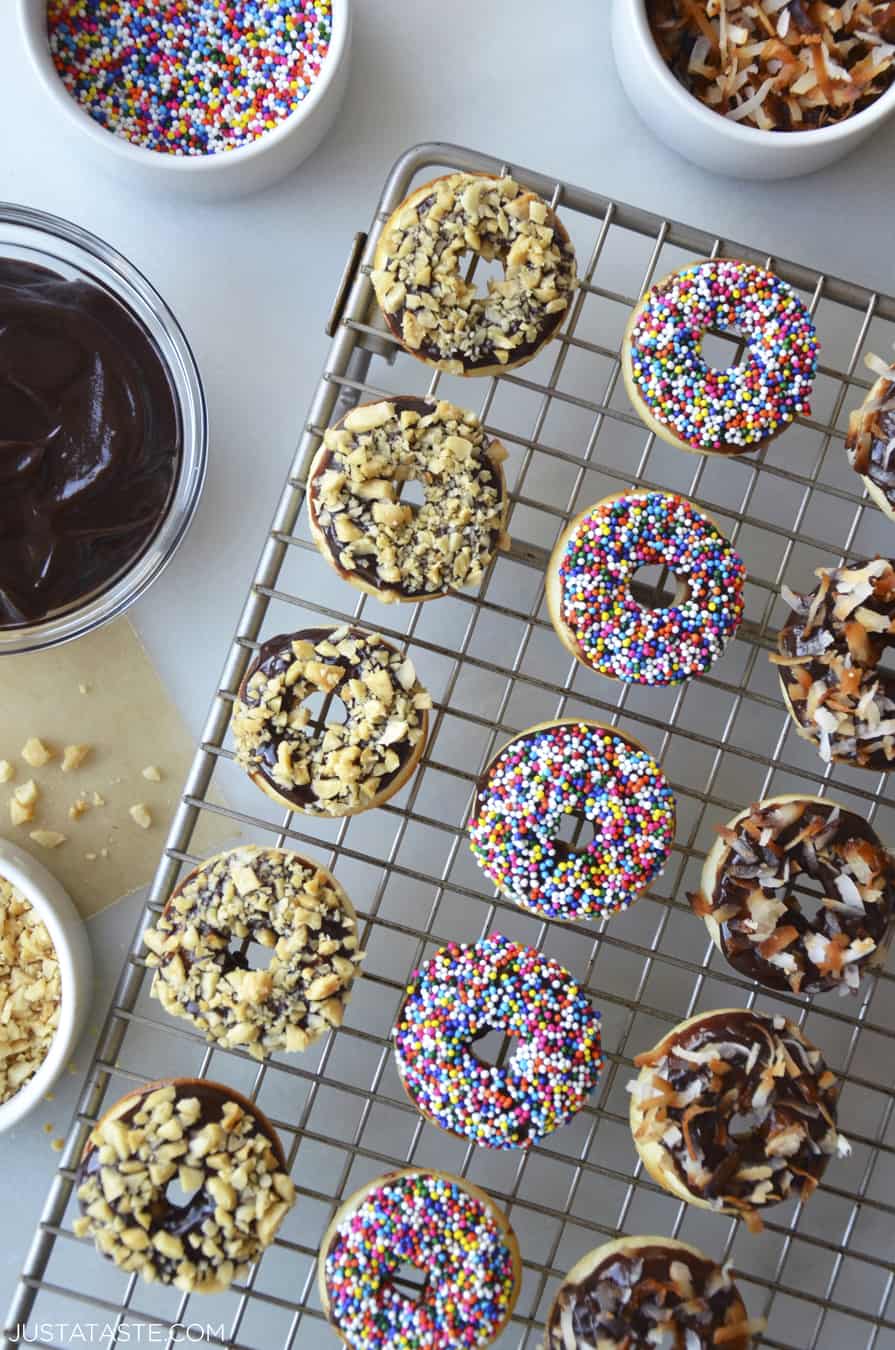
[
  {"x": 750, "y": 901},
  {"x": 434, "y": 312},
  {"x": 170, "y": 1131},
  {"x": 280, "y": 901},
  {"x": 640, "y": 1291},
  {"x": 870, "y": 443},
  {"x": 456, "y": 998},
  {"x": 334, "y": 768},
  {"x": 596, "y": 773},
  {"x": 828, "y": 659},
  {"x": 594, "y": 611},
  {"x": 452, "y": 1232},
  {"x": 716, "y": 1067},
  {"x": 390, "y": 549},
  {"x": 695, "y": 406}
]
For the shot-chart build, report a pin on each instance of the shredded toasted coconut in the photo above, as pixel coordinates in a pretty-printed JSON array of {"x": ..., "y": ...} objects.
[{"x": 778, "y": 65}]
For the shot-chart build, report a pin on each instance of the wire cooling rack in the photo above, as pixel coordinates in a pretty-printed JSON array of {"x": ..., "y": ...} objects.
[{"x": 822, "y": 1275}]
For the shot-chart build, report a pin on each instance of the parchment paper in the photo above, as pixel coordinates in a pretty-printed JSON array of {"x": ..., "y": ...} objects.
[{"x": 130, "y": 723}]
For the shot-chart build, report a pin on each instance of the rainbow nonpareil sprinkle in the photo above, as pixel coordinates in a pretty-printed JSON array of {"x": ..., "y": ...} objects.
[
  {"x": 744, "y": 405},
  {"x": 572, "y": 768},
  {"x": 189, "y": 77},
  {"x": 612, "y": 631},
  {"x": 460, "y": 995},
  {"x": 433, "y": 1223}
]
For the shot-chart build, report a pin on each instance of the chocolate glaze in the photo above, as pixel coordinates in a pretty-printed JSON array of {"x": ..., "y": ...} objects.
[
  {"x": 274, "y": 658},
  {"x": 739, "y": 946},
  {"x": 367, "y": 571},
  {"x": 793, "y": 642},
  {"x": 90, "y": 441},
  {"x": 792, "y": 1100},
  {"x": 488, "y": 357},
  {"x": 166, "y": 1217},
  {"x": 618, "y": 1303}
]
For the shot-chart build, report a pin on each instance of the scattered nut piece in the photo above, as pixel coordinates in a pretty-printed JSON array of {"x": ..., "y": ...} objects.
[
  {"x": 73, "y": 757},
  {"x": 36, "y": 753},
  {"x": 152, "y": 773},
  {"x": 78, "y": 808},
  {"x": 141, "y": 815},
  {"x": 98, "y": 800},
  {"x": 7, "y": 771},
  {"x": 19, "y": 814},
  {"x": 84, "y": 688},
  {"x": 48, "y": 838}
]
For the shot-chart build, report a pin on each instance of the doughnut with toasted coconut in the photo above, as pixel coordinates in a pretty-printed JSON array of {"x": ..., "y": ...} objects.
[{"x": 870, "y": 443}]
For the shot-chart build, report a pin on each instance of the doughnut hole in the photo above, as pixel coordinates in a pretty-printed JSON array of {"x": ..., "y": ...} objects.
[
  {"x": 323, "y": 708},
  {"x": 411, "y": 492},
  {"x": 486, "y": 271},
  {"x": 177, "y": 1198},
  {"x": 723, "y": 348},
  {"x": 411, "y": 1281},
  {"x": 655, "y": 587},
  {"x": 494, "y": 1048}
]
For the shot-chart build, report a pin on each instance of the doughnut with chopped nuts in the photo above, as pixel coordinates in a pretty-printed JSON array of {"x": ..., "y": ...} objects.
[
  {"x": 751, "y": 903},
  {"x": 389, "y": 548},
  {"x": 828, "y": 659},
  {"x": 870, "y": 443},
  {"x": 221, "y": 1150},
  {"x": 709, "y": 1074},
  {"x": 435, "y": 312},
  {"x": 457, "y": 1238},
  {"x": 269, "y": 898},
  {"x": 648, "y": 1291},
  {"x": 329, "y": 767}
]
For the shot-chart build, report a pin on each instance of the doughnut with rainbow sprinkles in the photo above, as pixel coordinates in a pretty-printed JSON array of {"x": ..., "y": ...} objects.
[
  {"x": 593, "y": 608},
  {"x": 456, "y": 1237},
  {"x": 461, "y": 994},
  {"x": 695, "y": 406},
  {"x": 582, "y": 769}
]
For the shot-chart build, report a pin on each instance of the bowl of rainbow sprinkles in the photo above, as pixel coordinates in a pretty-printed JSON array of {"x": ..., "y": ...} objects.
[{"x": 194, "y": 97}]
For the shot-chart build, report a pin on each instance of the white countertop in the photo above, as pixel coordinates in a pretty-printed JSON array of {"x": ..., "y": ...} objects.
[{"x": 252, "y": 284}]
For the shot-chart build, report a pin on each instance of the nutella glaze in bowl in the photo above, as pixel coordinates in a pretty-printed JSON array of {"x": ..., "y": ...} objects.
[
  {"x": 218, "y": 176},
  {"x": 713, "y": 141},
  {"x": 75, "y": 551}
]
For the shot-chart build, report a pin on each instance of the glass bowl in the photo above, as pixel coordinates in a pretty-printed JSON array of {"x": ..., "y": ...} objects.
[{"x": 46, "y": 241}]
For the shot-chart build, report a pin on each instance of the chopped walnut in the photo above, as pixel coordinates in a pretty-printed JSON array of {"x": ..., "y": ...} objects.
[
  {"x": 193, "y": 1132},
  {"x": 405, "y": 552},
  {"x": 36, "y": 753},
  {"x": 427, "y": 302},
  {"x": 341, "y": 766},
  {"x": 73, "y": 757},
  {"x": 282, "y": 902},
  {"x": 47, "y": 838},
  {"x": 30, "y": 990}
]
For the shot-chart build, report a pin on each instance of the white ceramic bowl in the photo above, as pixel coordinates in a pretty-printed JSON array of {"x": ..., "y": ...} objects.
[
  {"x": 69, "y": 937},
  {"x": 232, "y": 173},
  {"x": 711, "y": 140}
]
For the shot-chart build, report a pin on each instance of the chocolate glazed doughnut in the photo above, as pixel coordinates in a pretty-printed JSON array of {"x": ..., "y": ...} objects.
[
  {"x": 870, "y": 443},
  {"x": 750, "y": 902},
  {"x": 169, "y": 1131},
  {"x": 829, "y": 654},
  {"x": 330, "y": 768},
  {"x": 284, "y": 903},
  {"x": 434, "y": 312},
  {"x": 643, "y": 1290},
  {"x": 713, "y": 1068},
  {"x": 391, "y": 549}
]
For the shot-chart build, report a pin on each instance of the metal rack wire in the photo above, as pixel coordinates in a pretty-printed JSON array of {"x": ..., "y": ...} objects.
[{"x": 823, "y": 1276}]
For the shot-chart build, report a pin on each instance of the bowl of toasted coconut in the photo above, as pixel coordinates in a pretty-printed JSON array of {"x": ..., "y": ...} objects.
[{"x": 758, "y": 88}]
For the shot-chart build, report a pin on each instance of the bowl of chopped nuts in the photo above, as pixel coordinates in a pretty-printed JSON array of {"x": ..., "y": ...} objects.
[
  {"x": 46, "y": 981},
  {"x": 765, "y": 90}
]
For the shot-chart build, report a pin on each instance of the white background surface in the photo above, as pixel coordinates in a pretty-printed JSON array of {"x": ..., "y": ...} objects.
[{"x": 252, "y": 283}]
